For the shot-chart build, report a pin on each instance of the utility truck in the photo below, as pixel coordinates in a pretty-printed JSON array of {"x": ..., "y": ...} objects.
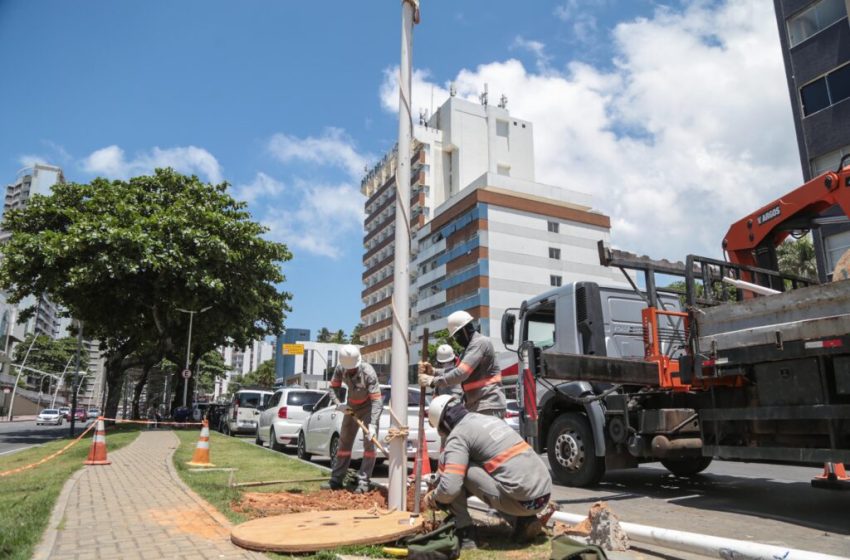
[{"x": 735, "y": 361}]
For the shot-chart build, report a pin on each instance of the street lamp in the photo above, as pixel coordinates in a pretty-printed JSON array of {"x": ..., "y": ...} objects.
[{"x": 189, "y": 347}]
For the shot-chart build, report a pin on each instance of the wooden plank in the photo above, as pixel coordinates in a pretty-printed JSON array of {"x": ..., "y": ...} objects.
[{"x": 323, "y": 530}]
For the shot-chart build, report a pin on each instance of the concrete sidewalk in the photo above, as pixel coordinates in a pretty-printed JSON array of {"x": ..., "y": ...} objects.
[{"x": 136, "y": 508}]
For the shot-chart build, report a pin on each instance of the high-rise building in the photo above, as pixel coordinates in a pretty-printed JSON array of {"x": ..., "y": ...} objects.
[
  {"x": 815, "y": 40},
  {"x": 38, "y": 179},
  {"x": 485, "y": 234},
  {"x": 284, "y": 365}
]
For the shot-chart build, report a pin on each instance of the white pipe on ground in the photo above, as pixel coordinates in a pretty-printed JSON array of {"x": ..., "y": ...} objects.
[{"x": 707, "y": 545}]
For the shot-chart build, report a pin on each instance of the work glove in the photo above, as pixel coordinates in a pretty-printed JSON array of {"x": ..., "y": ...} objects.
[
  {"x": 426, "y": 380},
  {"x": 430, "y": 500},
  {"x": 426, "y": 369},
  {"x": 342, "y": 407}
]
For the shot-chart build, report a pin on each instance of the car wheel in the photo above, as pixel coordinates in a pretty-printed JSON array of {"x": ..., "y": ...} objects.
[
  {"x": 273, "y": 442},
  {"x": 257, "y": 438},
  {"x": 302, "y": 448},
  {"x": 572, "y": 451},
  {"x": 227, "y": 429},
  {"x": 333, "y": 448},
  {"x": 688, "y": 466}
]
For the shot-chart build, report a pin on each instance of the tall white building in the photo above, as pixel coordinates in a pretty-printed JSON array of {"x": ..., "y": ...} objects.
[
  {"x": 486, "y": 235},
  {"x": 240, "y": 361}
]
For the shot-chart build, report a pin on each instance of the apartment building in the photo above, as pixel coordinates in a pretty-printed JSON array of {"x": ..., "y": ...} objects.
[
  {"x": 815, "y": 40},
  {"x": 485, "y": 234}
]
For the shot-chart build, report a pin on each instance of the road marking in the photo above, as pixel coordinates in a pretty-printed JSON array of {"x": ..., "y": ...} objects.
[{"x": 18, "y": 449}]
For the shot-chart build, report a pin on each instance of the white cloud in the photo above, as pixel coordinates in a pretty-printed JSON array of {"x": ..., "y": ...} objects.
[
  {"x": 28, "y": 160},
  {"x": 691, "y": 129},
  {"x": 333, "y": 148},
  {"x": 111, "y": 162},
  {"x": 536, "y": 48},
  {"x": 262, "y": 186},
  {"x": 317, "y": 218}
]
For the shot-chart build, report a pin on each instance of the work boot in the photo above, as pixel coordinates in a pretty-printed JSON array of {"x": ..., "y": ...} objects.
[
  {"x": 363, "y": 485},
  {"x": 331, "y": 485},
  {"x": 527, "y": 529},
  {"x": 466, "y": 536}
]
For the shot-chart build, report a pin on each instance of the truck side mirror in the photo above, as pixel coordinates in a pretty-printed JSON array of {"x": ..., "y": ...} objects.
[{"x": 508, "y": 325}]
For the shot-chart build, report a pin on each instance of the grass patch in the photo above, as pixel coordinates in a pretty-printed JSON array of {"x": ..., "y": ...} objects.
[{"x": 27, "y": 498}]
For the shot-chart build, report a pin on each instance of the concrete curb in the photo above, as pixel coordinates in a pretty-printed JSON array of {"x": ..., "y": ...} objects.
[
  {"x": 216, "y": 515},
  {"x": 45, "y": 546}
]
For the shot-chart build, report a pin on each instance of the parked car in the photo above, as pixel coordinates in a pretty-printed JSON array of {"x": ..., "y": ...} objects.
[
  {"x": 80, "y": 415},
  {"x": 215, "y": 415},
  {"x": 512, "y": 414},
  {"x": 49, "y": 416},
  {"x": 65, "y": 411},
  {"x": 319, "y": 434},
  {"x": 241, "y": 416},
  {"x": 281, "y": 419},
  {"x": 93, "y": 412}
]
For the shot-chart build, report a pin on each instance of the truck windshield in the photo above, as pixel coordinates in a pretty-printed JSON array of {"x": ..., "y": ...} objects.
[{"x": 540, "y": 326}]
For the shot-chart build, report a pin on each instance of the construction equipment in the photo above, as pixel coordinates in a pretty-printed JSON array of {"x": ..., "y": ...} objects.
[
  {"x": 417, "y": 475},
  {"x": 735, "y": 361}
]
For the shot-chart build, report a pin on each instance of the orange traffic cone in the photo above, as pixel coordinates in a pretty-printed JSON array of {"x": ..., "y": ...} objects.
[
  {"x": 97, "y": 452},
  {"x": 426, "y": 462},
  {"x": 201, "y": 456},
  {"x": 834, "y": 477}
]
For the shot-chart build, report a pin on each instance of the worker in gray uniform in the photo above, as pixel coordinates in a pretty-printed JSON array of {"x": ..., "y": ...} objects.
[
  {"x": 478, "y": 374},
  {"x": 447, "y": 361},
  {"x": 365, "y": 403},
  {"x": 485, "y": 457}
]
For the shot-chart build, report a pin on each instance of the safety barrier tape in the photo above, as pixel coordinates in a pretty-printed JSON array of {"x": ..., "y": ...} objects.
[
  {"x": 122, "y": 421},
  {"x": 49, "y": 457}
]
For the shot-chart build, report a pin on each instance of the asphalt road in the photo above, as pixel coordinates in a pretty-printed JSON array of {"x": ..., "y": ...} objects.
[{"x": 15, "y": 436}]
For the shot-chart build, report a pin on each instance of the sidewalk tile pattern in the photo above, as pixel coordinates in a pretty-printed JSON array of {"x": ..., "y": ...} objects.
[{"x": 134, "y": 509}]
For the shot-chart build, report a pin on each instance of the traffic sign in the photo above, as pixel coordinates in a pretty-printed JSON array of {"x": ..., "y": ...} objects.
[
  {"x": 293, "y": 349},
  {"x": 187, "y": 373}
]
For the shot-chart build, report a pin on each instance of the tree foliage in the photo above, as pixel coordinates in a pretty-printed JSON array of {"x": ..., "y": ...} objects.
[
  {"x": 124, "y": 256},
  {"x": 355, "y": 333},
  {"x": 324, "y": 335},
  {"x": 339, "y": 337},
  {"x": 797, "y": 256},
  {"x": 263, "y": 376},
  {"x": 49, "y": 355}
]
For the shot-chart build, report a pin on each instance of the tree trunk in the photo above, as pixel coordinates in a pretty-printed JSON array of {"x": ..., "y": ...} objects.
[{"x": 137, "y": 391}]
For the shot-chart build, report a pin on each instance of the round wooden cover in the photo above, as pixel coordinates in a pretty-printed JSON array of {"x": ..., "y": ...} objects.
[
  {"x": 321, "y": 530},
  {"x": 842, "y": 268}
]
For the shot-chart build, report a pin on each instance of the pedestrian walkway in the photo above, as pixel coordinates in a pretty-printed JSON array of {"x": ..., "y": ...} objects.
[{"x": 136, "y": 508}]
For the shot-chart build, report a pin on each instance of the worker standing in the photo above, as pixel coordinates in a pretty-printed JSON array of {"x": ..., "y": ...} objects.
[
  {"x": 364, "y": 403},
  {"x": 478, "y": 374},
  {"x": 486, "y": 458},
  {"x": 447, "y": 361}
]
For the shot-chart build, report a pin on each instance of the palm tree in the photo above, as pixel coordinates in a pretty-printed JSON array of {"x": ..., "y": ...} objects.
[
  {"x": 339, "y": 337},
  {"x": 797, "y": 256},
  {"x": 324, "y": 335},
  {"x": 355, "y": 334}
]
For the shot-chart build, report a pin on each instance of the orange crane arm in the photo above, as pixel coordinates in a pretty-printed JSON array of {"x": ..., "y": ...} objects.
[{"x": 767, "y": 227}]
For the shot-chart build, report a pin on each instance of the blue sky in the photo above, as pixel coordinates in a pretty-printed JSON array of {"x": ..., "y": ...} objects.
[{"x": 288, "y": 100}]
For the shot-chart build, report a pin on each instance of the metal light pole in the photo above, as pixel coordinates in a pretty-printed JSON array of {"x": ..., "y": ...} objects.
[
  {"x": 401, "y": 262},
  {"x": 76, "y": 373},
  {"x": 18, "y": 378},
  {"x": 189, "y": 347},
  {"x": 59, "y": 383}
]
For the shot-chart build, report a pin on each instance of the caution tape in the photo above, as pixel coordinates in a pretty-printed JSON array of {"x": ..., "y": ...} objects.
[
  {"x": 49, "y": 457},
  {"x": 158, "y": 422}
]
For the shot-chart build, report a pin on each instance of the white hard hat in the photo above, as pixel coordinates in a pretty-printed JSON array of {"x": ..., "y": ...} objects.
[
  {"x": 436, "y": 408},
  {"x": 349, "y": 356},
  {"x": 458, "y": 320},
  {"x": 445, "y": 353}
]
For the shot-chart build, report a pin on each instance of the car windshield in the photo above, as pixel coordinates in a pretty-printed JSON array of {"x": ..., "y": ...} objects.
[
  {"x": 50, "y": 411},
  {"x": 296, "y": 398}
]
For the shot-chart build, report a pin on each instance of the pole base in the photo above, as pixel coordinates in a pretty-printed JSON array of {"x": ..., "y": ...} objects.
[{"x": 192, "y": 464}]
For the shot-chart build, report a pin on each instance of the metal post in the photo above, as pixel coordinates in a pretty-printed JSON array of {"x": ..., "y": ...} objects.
[
  {"x": 18, "y": 378},
  {"x": 59, "y": 383},
  {"x": 9, "y": 329},
  {"x": 188, "y": 351},
  {"x": 401, "y": 263},
  {"x": 76, "y": 373}
]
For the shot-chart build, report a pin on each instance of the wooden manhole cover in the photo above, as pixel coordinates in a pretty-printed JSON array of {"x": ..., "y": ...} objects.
[{"x": 310, "y": 531}]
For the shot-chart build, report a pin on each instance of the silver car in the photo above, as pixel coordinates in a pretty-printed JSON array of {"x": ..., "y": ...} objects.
[
  {"x": 50, "y": 416},
  {"x": 280, "y": 420}
]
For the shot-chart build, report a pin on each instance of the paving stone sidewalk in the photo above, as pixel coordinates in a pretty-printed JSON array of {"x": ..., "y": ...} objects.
[{"x": 136, "y": 508}]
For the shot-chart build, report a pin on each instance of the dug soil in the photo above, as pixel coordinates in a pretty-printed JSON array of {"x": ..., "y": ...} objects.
[{"x": 264, "y": 504}]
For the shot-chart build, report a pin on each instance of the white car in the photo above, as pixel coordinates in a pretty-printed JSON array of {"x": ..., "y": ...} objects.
[
  {"x": 243, "y": 412},
  {"x": 319, "y": 434},
  {"x": 49, "y": 416},
  {"x": 280, "y": 420}
]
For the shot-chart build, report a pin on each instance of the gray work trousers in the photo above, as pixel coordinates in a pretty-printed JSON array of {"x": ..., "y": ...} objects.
[
  {"x": 348, "y": 432},
  {"x": 480, "y": 484}
]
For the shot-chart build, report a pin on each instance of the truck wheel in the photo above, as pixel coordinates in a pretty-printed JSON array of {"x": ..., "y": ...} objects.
[
  {"x": 687, "y": 466},
  {"x": 572, "y": 452},
  {"x": 302, "y": 448}
]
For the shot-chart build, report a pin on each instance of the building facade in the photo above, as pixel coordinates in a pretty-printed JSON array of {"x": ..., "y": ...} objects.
[
  {"x": 485, "y": 234},
  {"x": 815, "y": 40},
  {"x": 284, "y": 365}
]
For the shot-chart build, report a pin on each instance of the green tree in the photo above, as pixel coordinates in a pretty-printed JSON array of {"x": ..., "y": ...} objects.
[
  {"x": 355, "y": 334},
  {"x": 124, "y": 256},
  {"x": 797, "y": 256},
  {"x": 437, "y": 339},
  {"x": 324, "y": 335},
  {"x": 47, "y": 354},
  {"x": 339, "y": 337}
]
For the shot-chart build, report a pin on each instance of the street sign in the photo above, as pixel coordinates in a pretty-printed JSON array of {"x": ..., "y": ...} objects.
[
  {"x": 187, "y": 374},
  {"x": 293, "y": 349}
]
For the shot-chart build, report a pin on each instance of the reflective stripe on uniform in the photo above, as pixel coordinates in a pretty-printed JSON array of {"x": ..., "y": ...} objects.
[
  {"x": 356, "y": 401},
  {"x": 509, "y": 453},
  {"x": 342, "y": 453},
  {"x": 368, "y": 454},
  {"x": 465, "y": 368},
  {"x": 454, "y": 468},
  {"x": 375, "y": 396},
  {"x": 481, "y": 383}
]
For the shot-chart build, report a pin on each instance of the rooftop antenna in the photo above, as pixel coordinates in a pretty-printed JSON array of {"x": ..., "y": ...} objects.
[
  {"x": 452, "y": 89},
  {"x": 422, "y": 117},
  {"x": 483, "y": 96},
  {"x": 503, "y": 101}
]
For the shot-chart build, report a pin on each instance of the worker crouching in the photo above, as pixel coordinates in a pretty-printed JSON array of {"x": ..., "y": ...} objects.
[{"x": 486, "y": 458}]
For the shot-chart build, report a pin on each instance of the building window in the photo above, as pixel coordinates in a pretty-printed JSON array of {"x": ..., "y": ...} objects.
[
  {"x": 554, "y": 253},
  {"x": 826, "y": 90},
  {"x": 834, "y": 248},
  {"x": 504, "y": 170},
  {"x": 555, "y": 280},
  {"x": 815, "y": 19},
  {"x": 502, "y": 129},
  {"x": 828, "y": 161},
  {"x": 553, "y": 227}
]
